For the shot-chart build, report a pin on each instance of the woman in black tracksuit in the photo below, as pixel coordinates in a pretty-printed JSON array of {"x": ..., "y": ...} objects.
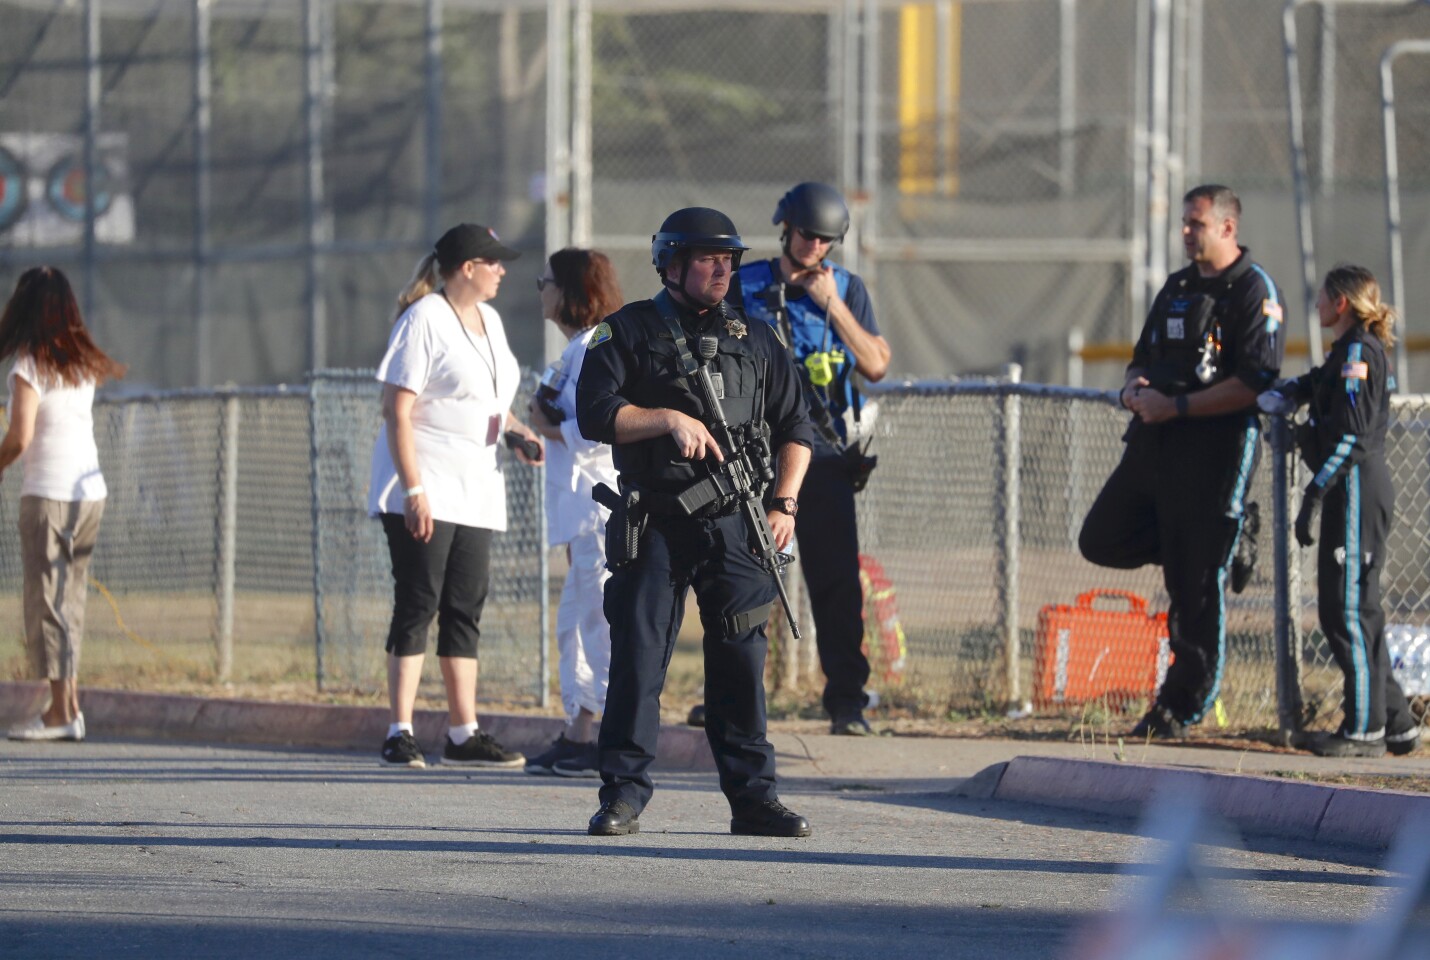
[{"x": 1343, "y": 442}]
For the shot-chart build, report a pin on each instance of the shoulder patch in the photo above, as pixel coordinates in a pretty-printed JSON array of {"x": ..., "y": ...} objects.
[
  {"x": 600, "y": 335},
  {"x": 1355, "y": 370},
  {"x": 1274, "y": 314}
]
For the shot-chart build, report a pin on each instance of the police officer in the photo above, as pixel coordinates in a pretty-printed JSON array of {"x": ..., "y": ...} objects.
[
  {"x": 1211, "y": 343},
  {"x": 1343, "y": 442},
  {"x": 824, "y": 314},
  {"x": 639, "y": 391}
]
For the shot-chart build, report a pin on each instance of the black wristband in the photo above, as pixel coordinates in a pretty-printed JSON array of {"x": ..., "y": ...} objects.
[{"x": 1181, "y": 404}]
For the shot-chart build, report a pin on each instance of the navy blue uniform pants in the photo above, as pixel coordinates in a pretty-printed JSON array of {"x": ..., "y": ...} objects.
[
  {"x": 1178, "y": 498},
  {"x": 829, "y": 552},
  {"x": 1355, "y": 521},
  {"x": 645, "y": 603}
]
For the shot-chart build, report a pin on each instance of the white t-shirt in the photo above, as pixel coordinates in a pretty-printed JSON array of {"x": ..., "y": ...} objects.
[
  {"x": 576, "y": 464},
  {"x": 61, "y": 462},
  {"x": 465, "y": 384}
]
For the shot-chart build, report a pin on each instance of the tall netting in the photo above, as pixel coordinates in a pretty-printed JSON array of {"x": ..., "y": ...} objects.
[{"x": 1404, "y": 577}]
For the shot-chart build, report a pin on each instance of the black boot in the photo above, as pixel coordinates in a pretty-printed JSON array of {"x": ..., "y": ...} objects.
[
  {"x": 1159, "y": 724},
  {"x": 1340, "y": 745},
  {"x": 614, "y": 819},
  {"x": 769, "y": 818}
]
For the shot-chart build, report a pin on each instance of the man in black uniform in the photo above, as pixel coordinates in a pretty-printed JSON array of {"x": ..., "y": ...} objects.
[
  {"x": 1211, "y": 343},
  {"x": 640, "y": 390}
]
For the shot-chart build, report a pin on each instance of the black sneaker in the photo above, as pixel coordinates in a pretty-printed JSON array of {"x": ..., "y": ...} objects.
[
  {"x": 1340, "y": 745},
  {"x": 480, "y": 750},
  {"x": 1159, "y": 724},
  {"x": 615, "y": 818},
  {"x": 1244, "y": 563},
  {"x": 769, "y": 818},
  {"x": 1403, "y": 744},
  {"x": 402, "y": 751},
  {"x": 560, "y": 749},
  {"x": 851, "y": 725},
  {"x": 585, "y": 761}
]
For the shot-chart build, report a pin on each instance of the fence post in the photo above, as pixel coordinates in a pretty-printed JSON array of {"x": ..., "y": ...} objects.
[
  {"x": 314, "y": 447},
  {"x": 543, "y": 551},
  {"x": 1290, "y": 708},
  {"x": 1006, "y": 532},
  {"x": 227, "y": 532}
]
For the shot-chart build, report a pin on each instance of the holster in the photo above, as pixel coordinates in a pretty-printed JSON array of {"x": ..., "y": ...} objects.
[
  {"x": 626, "y": 526},
  {"x": 860, "y": 465}
]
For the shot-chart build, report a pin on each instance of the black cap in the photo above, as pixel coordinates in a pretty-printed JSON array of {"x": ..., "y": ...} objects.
[
  {"x": 816, "y": 207},
  {"x": 471, "y": 241}
]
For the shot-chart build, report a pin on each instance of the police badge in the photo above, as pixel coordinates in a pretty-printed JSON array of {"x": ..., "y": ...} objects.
[{"x": 735, "y": 327}]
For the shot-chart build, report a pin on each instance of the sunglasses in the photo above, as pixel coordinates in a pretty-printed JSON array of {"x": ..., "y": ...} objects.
[
  {"x": 811, "y": 236},
  {"x": 541, "y": 283}
]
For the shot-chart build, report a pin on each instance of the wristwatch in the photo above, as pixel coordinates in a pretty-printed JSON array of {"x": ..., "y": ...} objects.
[{"x": 787, "y": 505}]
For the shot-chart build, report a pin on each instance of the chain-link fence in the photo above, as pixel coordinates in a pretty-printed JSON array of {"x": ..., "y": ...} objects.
[
  {"x": 974, "y": 514},
  {"x": 236, "y": 546}
]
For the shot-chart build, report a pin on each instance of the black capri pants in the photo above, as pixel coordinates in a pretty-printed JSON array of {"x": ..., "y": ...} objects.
[{"x": 446, "y": 578}]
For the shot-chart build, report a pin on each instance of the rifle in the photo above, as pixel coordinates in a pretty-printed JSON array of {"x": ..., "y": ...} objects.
[{"x": 746, "y": 470}]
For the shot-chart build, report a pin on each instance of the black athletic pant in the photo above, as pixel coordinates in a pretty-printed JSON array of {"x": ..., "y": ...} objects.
[
  {"x": 1178, "y": 498},
  {"x": 1355, "y": 521},
  {"x": 446, "y": 578},
  {"x": 644, "y": 604},
  {"x": 829, "y": 553}
]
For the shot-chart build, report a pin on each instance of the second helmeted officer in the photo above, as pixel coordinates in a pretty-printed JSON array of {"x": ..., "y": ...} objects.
[{"x": 676, "y": 527}]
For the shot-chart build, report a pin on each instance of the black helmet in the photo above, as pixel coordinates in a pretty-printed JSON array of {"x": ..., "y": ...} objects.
[
  {"x": 816, "y": 207},
  {"x": 695, "y": 227}
]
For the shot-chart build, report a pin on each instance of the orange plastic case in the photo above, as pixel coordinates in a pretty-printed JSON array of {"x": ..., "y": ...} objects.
[{"x": 1086, "y": 653}]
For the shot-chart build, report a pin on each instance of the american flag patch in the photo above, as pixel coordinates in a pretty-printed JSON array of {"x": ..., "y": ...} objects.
[
  {"x": 1355, "y": 370},
  {"x": 1271, "y": 310}
]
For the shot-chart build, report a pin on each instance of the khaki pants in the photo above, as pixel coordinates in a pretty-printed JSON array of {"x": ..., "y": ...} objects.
[{"x": 57, "y": 539}]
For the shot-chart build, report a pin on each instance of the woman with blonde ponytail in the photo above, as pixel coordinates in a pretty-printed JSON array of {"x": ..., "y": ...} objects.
[
  {"x": 448, "y": 382},
  {"x": 425, "y": 279},
  {"x": 1343, "y": 442}
]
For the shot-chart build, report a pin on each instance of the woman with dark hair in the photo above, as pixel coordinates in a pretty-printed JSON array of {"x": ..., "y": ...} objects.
[
  {"x": 1343, "y": 443},
  {"x": 57, "y": 367},
  {"x": 449, "y": 380},
  {"x": 578, "y": 290}
]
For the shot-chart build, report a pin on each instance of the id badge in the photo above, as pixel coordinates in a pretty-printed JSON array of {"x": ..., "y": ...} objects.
[
  {"x": 493, "y": 429},
  {"x": 1176, "y": 328}
]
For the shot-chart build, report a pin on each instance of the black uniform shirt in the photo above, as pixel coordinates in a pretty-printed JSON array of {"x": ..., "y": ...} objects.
[
  {"x": 1245, "y": 304},
  {"x": 1350, "y": 404},
  {"x": 632, "y": 358}
]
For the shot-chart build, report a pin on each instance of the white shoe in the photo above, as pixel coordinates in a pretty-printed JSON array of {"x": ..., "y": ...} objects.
[{"x": 35, "y": 729}]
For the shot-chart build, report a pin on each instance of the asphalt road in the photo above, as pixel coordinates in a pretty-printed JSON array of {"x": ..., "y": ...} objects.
[{"x": 122, "y": 848}]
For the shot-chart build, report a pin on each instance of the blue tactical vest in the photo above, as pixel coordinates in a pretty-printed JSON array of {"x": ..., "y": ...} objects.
[{"x": 809, "y": 332}]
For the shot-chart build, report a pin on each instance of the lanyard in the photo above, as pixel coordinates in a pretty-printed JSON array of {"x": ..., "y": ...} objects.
[{"x": 490, "y": 365}]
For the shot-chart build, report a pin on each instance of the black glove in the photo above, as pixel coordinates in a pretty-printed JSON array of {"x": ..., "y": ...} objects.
[{"x": 1306, "y": 519}]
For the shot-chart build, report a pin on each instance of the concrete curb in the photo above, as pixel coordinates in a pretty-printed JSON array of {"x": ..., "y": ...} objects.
[
  {"x": 1261, "y": 805},
  {"x": 122, "y": 713}
]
